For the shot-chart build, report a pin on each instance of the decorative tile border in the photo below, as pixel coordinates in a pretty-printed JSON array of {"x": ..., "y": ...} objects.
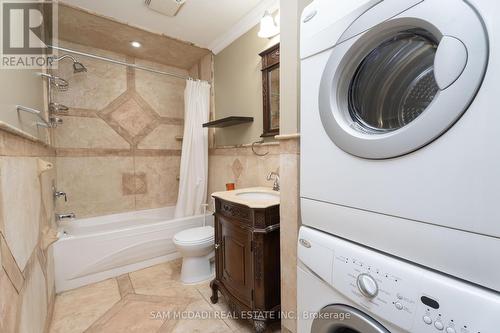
[
  {"x": 134, "y": 183},
  {"x": 10, "y": 266},
  {"x": 273, "y": 148},
  {"x": 84, "y": 113},
  {"x": 103, "y": 152}
]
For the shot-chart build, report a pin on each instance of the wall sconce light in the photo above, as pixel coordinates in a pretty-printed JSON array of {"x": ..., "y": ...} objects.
[{"x": 268, "y": 26}]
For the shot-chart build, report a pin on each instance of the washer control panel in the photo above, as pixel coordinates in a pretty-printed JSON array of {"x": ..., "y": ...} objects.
[{"x": 397, "y": 292}]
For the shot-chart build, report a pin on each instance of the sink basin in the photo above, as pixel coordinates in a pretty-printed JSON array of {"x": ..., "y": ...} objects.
[
  {"x": 252, "y": 197},
  {"x": 258, "y": 196}
]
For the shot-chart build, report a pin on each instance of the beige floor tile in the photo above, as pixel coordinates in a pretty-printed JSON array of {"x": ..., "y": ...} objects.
[
  {"x": 97, "y": 308},
  {"x": 208, "y": 322},
  {"x": 163, "y": 280},
  {"x": 125, "y": 285},
  {"x": 142, "y": 314},
  {"x": 77, "y": 309}
]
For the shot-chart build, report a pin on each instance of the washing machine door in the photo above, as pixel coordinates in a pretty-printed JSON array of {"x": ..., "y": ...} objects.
[
  {"x": 393, "y": 84},
  {"x": 340, "y": 318}
]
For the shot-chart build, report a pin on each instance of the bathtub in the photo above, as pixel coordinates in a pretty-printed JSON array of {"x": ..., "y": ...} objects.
[{"x": 94, "y": 249}]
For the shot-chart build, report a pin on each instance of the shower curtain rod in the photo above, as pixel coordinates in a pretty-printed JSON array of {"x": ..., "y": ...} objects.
[{"x": 118, "y": 62}]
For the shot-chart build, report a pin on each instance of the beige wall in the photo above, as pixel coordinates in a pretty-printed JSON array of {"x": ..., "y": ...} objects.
[
  {"x": 26, "y": 229},
  {"x": 238, "y": 87},
  {"x": 25, "y": 88},
  {"x": 290, "y": 153},
  {"x": 242, "y": 167}
]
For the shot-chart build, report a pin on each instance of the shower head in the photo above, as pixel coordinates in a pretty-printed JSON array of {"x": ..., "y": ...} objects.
[{"x": 78, "y": 67}]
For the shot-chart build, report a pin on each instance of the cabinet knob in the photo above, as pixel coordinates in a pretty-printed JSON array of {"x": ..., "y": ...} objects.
[{"x": 216, "y": 246}]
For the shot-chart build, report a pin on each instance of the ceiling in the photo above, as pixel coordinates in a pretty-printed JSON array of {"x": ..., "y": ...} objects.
[
  {"x": 81, "y": 27},
  {"x": 201, "y": 22}
]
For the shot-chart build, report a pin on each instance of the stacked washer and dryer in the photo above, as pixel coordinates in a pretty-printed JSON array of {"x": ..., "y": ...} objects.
[{"x": 400, "y": 167}]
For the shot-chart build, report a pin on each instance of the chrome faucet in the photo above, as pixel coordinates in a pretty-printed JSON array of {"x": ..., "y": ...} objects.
[
  {"x": 60, "y": 217},
  {"x": 274, "y": 175},
  {"x": 58, "y": 194}
]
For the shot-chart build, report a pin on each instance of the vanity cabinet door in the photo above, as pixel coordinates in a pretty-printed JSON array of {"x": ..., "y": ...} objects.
[{"x": 236, "y": 259}]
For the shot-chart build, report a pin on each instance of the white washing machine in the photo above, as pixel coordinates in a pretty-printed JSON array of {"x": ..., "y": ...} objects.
[
  {"x": 400, "y": 129},
  {"x": 347, "y": 288}
]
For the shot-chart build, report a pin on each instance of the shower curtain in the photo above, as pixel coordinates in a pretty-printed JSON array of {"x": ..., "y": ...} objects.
[{"x": 194, "y": 158}]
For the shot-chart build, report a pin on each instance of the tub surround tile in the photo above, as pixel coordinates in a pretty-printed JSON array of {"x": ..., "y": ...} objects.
[
  {"x": 94, "y": 152},
  {"x": 50, "y": 279},
  {"x": 163, "y": 137},
  {"x": 161, "y": 179},
  {"x": 85, "y": 132},
  {"x": 47, "y": 179},
  {"x": 26, "y": 281},
  {"x": 34, "y": 301},
  {"x": 103, "y": 81},
  {"x": 94, "y": 185},
  {"x": 131, "y": 118},
  {"x": 9, "y": 300},
  {"x": 21, "y": 227},
  {"x": 172, "y": 121},
  {"x": 78, "y": 309},
  {"x": 14, "y": 145},
  {"x": 165, "y": 94},
  {"x": 134, "y": 183},
  {"x": 136, "y": 114},
  {"x": 10, "y": 266},
  {"x": 86, "y": 113},
  {"x": 130, "y": 74}
]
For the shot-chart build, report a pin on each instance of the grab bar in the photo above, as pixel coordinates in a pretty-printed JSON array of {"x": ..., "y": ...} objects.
[
  {"x": 54, "y": 121},
  {"x": 43, "y": 122}
]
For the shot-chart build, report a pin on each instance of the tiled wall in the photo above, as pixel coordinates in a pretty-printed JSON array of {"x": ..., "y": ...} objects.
[
  {"x": 26, "y": 229},
  {"x": 119, "y": 147},
  {"x": 241, "y": 166}
]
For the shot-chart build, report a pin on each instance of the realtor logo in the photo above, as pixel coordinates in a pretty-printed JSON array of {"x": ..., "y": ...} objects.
[{"x": 28, "y": 29}]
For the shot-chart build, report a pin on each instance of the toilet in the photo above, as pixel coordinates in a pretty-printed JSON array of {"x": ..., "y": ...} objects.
[{"x": 196, "y": 245}]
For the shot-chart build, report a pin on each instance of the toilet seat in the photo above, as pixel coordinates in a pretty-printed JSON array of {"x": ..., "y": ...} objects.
[{"x": 195, "y": 235}]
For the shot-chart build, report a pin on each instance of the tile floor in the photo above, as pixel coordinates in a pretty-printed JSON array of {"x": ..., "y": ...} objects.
[{"x": 137, "y": 302}]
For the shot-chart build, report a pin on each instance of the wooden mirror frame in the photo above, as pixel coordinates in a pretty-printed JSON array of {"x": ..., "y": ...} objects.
[{"x": 270, "y": 61}]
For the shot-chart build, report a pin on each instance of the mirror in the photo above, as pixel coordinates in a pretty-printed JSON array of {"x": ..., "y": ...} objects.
[{"x": 271, "y": 90}]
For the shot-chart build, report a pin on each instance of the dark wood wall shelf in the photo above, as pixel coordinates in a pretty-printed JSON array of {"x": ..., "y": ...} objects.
[{"x": 228, "y": 121}]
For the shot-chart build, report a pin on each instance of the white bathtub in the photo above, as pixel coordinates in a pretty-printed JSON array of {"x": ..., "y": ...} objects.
[{"x": 97, "y": 248}]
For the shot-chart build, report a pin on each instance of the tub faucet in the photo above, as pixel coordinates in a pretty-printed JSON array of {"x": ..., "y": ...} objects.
[
  {"x": 274, "y": 175},
  {"x": 60, "y": 217}
]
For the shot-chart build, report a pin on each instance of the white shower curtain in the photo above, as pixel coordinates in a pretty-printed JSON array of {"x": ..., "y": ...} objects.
[{"x": 194, "y": 159}]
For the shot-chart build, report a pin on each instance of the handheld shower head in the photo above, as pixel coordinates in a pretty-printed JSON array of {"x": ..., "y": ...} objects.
[{"x": 78, "y": 67}]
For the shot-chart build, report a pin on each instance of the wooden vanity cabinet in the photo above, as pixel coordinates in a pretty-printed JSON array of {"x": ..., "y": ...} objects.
[{"x": 247, "y": 260}]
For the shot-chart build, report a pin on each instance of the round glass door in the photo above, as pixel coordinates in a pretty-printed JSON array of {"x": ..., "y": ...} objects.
[
  {"x": 401, "y": 84},
  {"x": 339, "y": 318},
  {"x": 394, "y": 83}
]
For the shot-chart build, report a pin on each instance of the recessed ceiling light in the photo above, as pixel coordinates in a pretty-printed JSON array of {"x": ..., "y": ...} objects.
[{"x": 135, "y": 44}]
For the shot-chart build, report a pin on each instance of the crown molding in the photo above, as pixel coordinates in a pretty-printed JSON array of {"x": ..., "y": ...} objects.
[{"x": 249, "y": 21}]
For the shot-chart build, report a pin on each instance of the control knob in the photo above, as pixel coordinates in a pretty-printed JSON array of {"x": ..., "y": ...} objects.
[{"x": 367, "y": 285}]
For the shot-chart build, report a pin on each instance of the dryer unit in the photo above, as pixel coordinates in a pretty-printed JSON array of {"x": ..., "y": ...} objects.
[{"x": 400, "y": 130}]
